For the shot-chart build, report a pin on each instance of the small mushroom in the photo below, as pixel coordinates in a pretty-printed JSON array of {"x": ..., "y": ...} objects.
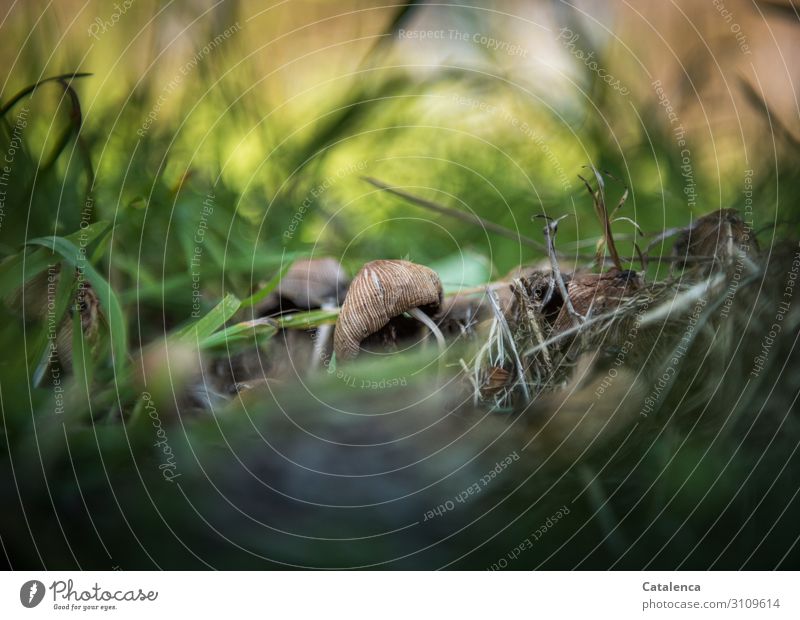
[
  {"x": 720, "y": 235},
  {"x": 381, "y": 291},
  {"x": 309, "y": 284}
]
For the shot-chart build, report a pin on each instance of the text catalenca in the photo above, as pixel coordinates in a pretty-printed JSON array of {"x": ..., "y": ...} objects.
[{"x": 670, "y": 587}]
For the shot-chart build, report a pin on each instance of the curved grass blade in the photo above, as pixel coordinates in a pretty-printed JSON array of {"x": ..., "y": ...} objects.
[
  {"x": 30, "y": 89},
  {"x": 17, "y": 270},
  {"x": 268, "y": 288},
  {"x": 75, "y": 118}
]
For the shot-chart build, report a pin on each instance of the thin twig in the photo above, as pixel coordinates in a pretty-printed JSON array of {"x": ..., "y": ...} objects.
[
  {"x": 550, "y": 231},
  {"x": 572, "y": 330},
  {"x": 599, "y": 199},
  {"x": 670, "y": 232},
  {"x": 461, "y": 215},
  {"x": 501, "y": 321},
  {"x": 533, "y": 321},
  {"x": 510, "y": 234}
]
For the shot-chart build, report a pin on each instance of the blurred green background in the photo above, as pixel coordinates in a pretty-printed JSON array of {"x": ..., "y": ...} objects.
[{"x": 284, "y": 106}]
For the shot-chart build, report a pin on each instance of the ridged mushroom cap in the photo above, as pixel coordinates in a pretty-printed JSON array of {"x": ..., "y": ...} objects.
[
  {"x": 308, "y": 284},
  {"x": 382, "y": 290}
]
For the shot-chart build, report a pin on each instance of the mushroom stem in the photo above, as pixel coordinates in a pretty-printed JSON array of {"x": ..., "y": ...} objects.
[
  {"x": 428, "y": 322},
  {"x": 321, "y": 339}
]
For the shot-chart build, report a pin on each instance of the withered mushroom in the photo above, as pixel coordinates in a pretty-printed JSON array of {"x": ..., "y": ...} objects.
[
  {"x": 597, "y": 293},
  {"x": 720, "y": 235},
  {"x": 381, "y": 291}
]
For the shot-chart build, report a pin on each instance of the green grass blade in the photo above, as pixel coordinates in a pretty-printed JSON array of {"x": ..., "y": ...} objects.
[
  {"x": 41, "y": 359},
  {"x": 17, "y": 270},
  {"x": 308, "y": 320},
  {"x": 81, "y": 355},
  {"x": 64, "y": 78},
  {"x": 201, "y": 329},
  {"x": 108, "y": 299},
  {"x": 256, "y": 331},
  {"x": 270, "y": 286}
]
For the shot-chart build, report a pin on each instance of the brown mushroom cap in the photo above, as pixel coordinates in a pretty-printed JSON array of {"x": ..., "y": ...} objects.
[
  {"x": 598, "y": 292},
  {"x": 382, "y": 290},
  {"x": 308, "y": 284},
  {"x": 716, "y": 235}
]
